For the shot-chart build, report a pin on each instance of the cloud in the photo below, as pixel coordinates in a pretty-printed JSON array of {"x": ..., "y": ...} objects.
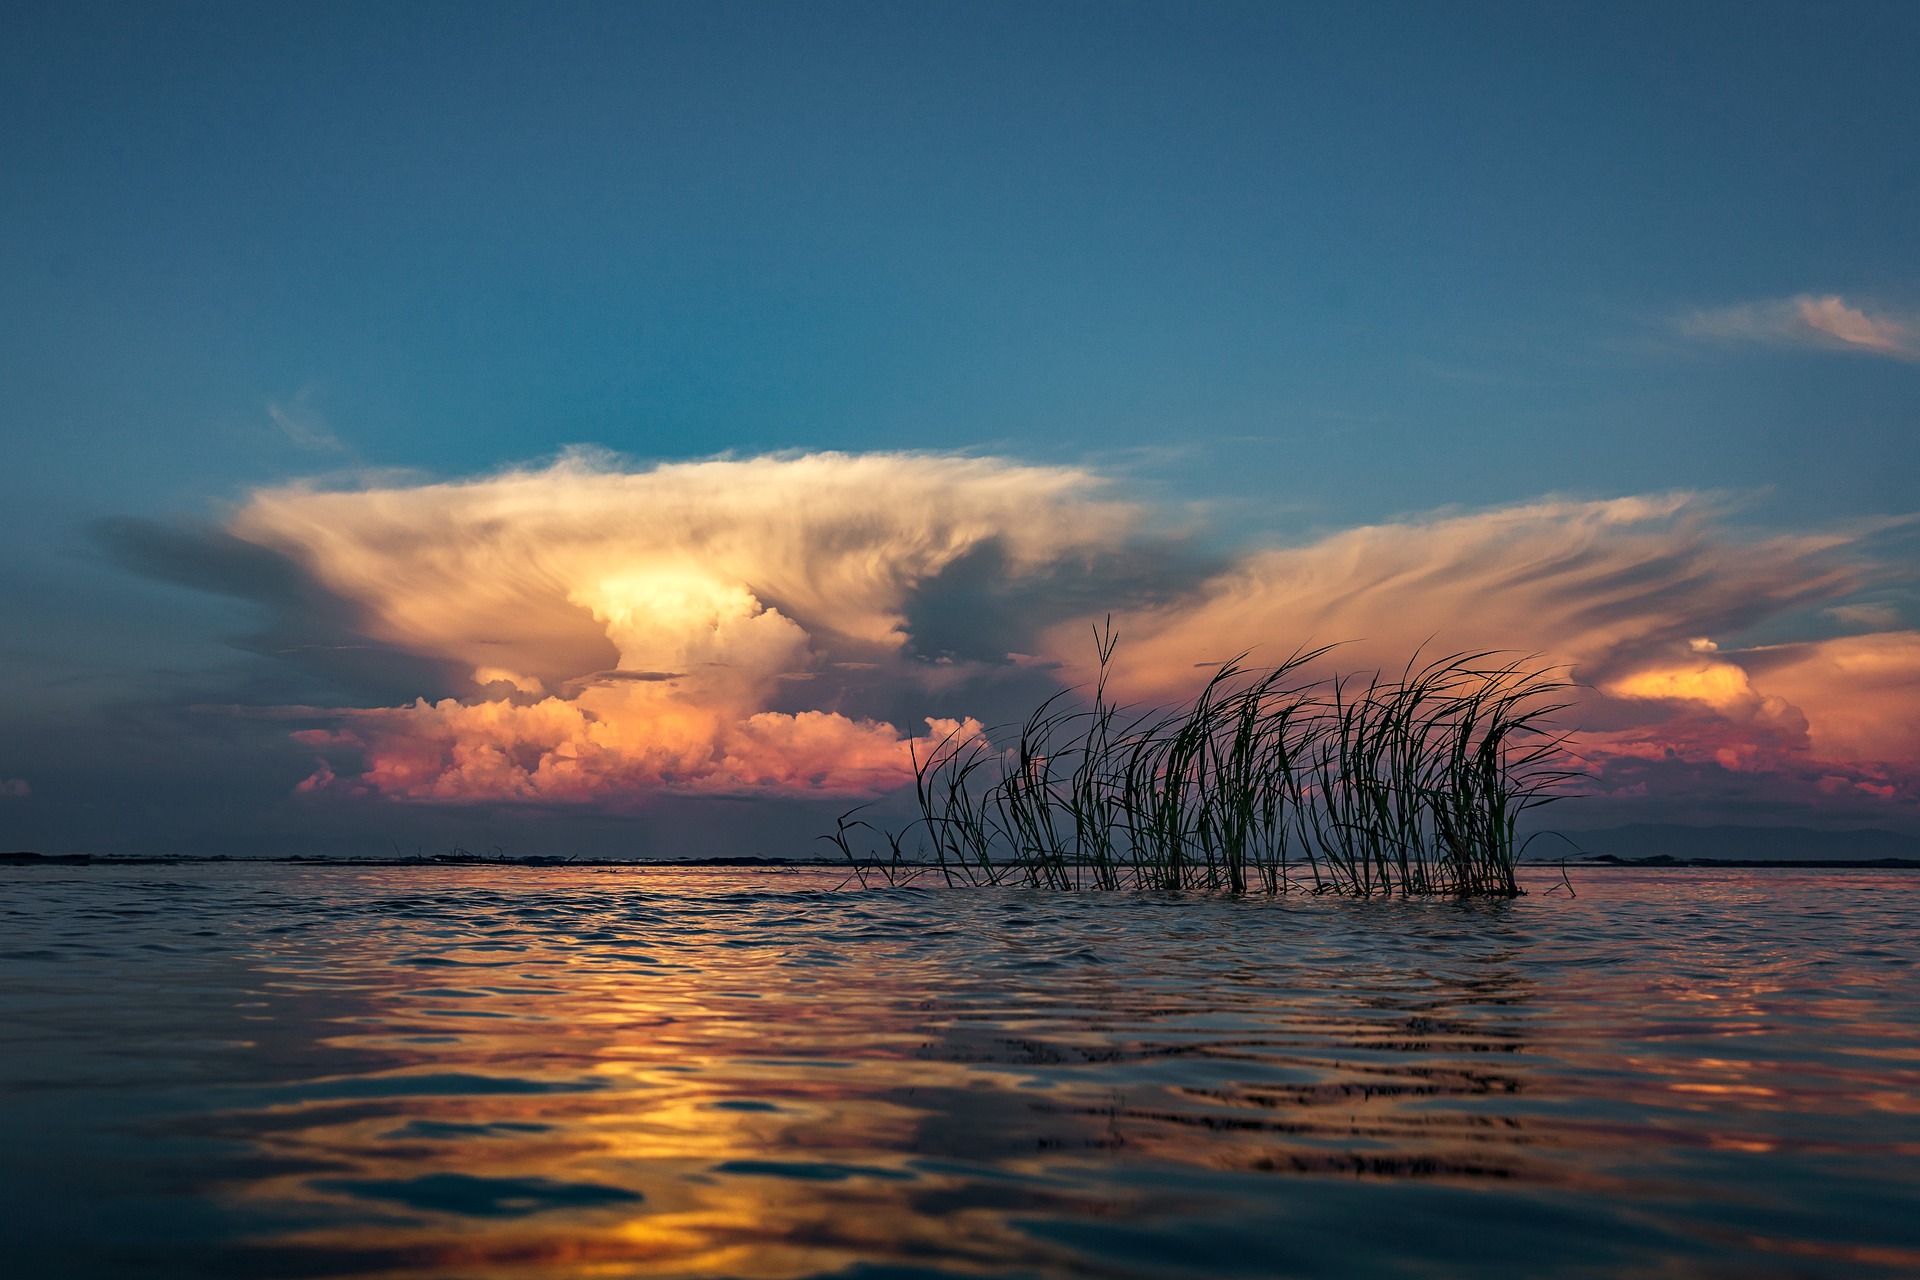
[
  {"x": 306, "y": 431},
  {"x": 1879, "y": 617},
  {"x": 593, "y": 635},
  {"x": 1853, "y": 328},
  {"x": 1862, "y": 693},
  {"x": 1829, "y": 322},
  {"x": 633, "y": 632},
  {"x": 311, "y": 629},
  {"x": 302, "y": 423},
  {"x": 1604, "y": 587},
  {"x": 612, "y": 746},
  {"x": 580, "y": 567},
  {"x": 1825, "y": 721},
  {"x": 1623, "y": 594},
  {"x": 15, "y": 788}
]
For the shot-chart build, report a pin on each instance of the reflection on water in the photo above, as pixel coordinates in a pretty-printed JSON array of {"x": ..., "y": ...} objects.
[{"x": 283, "y": 1071}]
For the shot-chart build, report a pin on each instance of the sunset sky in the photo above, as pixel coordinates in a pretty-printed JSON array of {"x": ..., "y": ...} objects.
[{"x": 617, "y": 429}]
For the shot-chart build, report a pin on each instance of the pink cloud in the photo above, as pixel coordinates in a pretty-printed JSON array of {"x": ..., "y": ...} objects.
[
  {"x": 1828, "y": 321},
  {"x": 614, "y": 750},
  {"x": 1855, "y": 328}
]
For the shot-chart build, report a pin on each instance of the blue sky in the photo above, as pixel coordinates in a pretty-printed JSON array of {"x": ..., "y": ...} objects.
[{"x": 1310, "y": 265}]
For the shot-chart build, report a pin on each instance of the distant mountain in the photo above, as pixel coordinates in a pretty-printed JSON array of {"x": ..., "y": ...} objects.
[{"x": 1673, "y": 840}]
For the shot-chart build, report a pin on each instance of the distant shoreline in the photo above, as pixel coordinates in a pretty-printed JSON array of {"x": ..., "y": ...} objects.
[
  {"x": 29, "y": 859},
  {"x": 1663, "y": 860},
  {"x": 25, "y": 858}
]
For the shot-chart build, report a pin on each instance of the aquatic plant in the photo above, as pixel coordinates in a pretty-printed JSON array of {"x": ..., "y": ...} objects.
[{"x": 1268, "y": 780}]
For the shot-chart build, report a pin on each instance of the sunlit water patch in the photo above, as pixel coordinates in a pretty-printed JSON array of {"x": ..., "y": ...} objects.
[{"x": 284, "y": 1071}]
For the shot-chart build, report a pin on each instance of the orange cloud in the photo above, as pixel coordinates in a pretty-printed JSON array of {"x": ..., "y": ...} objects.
[
  {"x": 1619, "y": 593},
  {"x": 1861, "y": 694},
  {"x": 1846, "y": 709},
  {"x": 1719, "y": 685},
  {"x": 1595, "y": 585}
]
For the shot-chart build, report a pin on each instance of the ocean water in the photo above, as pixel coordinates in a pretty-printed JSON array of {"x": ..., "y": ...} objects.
[{"x": 229, "y": 1071}]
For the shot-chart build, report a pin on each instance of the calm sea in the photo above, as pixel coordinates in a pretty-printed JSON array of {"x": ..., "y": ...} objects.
[{"x": 218, "y": 1071}]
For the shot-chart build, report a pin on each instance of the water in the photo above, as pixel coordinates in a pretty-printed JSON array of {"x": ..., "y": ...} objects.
[{"x": 226, "y": 1071}]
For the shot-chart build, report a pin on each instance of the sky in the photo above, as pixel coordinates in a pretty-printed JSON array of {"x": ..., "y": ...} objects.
[{"x": 616, "y": 429}]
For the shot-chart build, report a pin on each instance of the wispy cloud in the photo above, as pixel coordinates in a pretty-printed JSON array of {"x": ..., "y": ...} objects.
[
  {"x": 1626, "y": 594},
  {"x": 1828, "y": 322},
  {"x": 304, "y": 426},
  {"x": 1878, "y": 617},
  {"x": 1604, "y": 585}
]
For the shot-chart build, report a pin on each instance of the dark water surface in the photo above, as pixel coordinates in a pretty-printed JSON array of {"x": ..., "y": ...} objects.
[{"x": 466, "y": 1072}]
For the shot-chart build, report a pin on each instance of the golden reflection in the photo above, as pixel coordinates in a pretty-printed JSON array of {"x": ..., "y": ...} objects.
[{"x": 720, "y": 1075}]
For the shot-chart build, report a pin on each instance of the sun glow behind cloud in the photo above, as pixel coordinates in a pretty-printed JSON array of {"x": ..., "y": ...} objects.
[
  {"x": 628, "y": 632},
  {"x": 620, "y": 634}
]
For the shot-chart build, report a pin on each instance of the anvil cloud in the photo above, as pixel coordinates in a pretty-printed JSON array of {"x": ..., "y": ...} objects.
[{"x": 628, "y": 632}]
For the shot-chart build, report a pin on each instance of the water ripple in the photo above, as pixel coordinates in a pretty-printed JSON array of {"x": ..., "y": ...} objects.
[{"x": 560, "y": 1072}]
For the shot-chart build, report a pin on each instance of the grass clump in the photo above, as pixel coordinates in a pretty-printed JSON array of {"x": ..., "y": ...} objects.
[{"x": 1268, "y": 780}]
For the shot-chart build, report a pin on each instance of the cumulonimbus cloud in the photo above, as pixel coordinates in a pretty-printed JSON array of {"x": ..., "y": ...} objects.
[
  {"x": 619, "y": 633},
  {"x": 629, "y": 631},
  {"x": 1827, "y": 321},
  {"x": 552, "y": 574}
]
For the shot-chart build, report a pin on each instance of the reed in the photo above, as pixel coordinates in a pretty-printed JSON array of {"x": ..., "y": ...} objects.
[{"x": 1268, "y": 780}]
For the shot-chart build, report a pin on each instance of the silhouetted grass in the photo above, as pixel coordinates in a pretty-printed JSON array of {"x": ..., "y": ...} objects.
[{"x": 1267, "y": 780}]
